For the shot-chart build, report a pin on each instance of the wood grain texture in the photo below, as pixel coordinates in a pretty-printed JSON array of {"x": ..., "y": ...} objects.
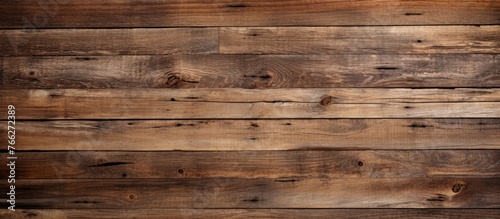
[
  {"x": 252, "y": 213},
  {"x": 360, "y": 40},
  {"x": 163, "y": 13},
  {"x": 281, "y": 165},
  {"x": 108, "y": 41},
  {"x": 251, "y": 71},
  {"x": 259, "y": 193},
  {"x": 213, "y": 135},
  {"x": 161, "y": 104}
]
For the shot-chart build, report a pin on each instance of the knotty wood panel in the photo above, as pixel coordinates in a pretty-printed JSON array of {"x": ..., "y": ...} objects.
[
  {"x": 360, "y": 40},
  {"x": 319, "y": 134},
  {"x": 260, "y": 193},
  {"x": 160, "y": 104},
  {"x": 254, "y": 213},
  {"x": 108, "y": 41},
  {"x": 283, "y": 165},
  {"x": 162, "y": 13},
  {"x": 251, "y": 71}
]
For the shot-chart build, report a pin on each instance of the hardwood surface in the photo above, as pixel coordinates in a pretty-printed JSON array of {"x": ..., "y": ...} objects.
[{"x": 252, "y": 108}]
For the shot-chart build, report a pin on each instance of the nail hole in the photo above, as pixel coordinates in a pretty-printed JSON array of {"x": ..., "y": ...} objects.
[
  {"x": 32, "y": 73},
  {"x": 124, "y": 175},
  {"x": 419, "y": 41},
  {"x": 131, "y": 196},
  {"x": 172, "y": 99},
  {"x": 360, "y": 163},
  {"x": 181, "y": 171}
]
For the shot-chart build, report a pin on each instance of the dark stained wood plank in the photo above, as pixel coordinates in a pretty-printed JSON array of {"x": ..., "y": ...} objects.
[
  {"x": 108, "y": 41},
  {"x": 259, "y": 193},
  {"x": 163, "y": 13},
  {"x": 283, "y": 165},
  {"x": 252, "y": 213},
  {"x": 210, "y": 135},
  {"x": 360, "y": 40},
  {"x": 251, "y": 71},
  {"x": 160, "y": 104}
]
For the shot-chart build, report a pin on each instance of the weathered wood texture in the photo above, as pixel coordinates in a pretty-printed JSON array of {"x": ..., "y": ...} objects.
[
  {"x": 260, "y": 193},
  {"x": 303, "y": 134},
  {"x": 333, "y": 103},
  {"x": 109, "y": 41},
  {"x": 360, "y": 40},
  {"x": 253, "y": 40},
  {"x": 281, "y": 165},
  {"x": 163, "y": 13},
  {"x": 251, "y": 71},
  {"x": 252, "y": 213}
]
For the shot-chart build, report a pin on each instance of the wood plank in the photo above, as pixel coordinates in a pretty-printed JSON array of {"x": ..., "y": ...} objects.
[
  {"x": 368, "y": 40},
  {"x": 259, "y": 193},
  {"x": 252, "y": 213},
  {"x": 251, "y": 71},
  {"x": 210, "y": 135},
  {"x": 108, "y": 41},
  {"x": 163, "y": 13},
  {"x": 283, "y": 165},
  {"x": 161, "y": 104}
]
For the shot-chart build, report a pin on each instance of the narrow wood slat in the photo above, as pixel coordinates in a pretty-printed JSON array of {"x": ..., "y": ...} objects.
[
  {"x": 259, "y": 193},
  {"x": 282, "y": 165},
  {"x": 252, "y": 213},
  {"x": 251, "y": 71},
  {"x": 360, "y": 40},
  {"x": 210, "y": 135},
  {"x": 163, "y": 13},
  {"x": 161, "y": 104},
  {"x": 108, "y": 41}
]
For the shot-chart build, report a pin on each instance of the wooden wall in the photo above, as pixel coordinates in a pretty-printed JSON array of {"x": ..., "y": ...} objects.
[{"x": 252, "y": 108}]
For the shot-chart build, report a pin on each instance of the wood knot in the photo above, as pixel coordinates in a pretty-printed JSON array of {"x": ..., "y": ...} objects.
[
  {"x": 326, "y": 100},
  {"x": 457, "y": 187},
  {"x": 131, "y": 197},
  {"x": 169, "y": 80}
]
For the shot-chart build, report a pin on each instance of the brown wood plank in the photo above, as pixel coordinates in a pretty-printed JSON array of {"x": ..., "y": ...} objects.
[
  {"x": 210, "y": 135},
  {"x": 360, "y": 40},
  {"x": 259, "y": 193},
  {"x": 161, "y": 104},
  {"x": 251, "y": 71},
  {"x": 109, "y": 41},
  {"x": 252, "y": 213},
  {"x": 163, "y": 13},
  {"x": 283, "y": 165}
]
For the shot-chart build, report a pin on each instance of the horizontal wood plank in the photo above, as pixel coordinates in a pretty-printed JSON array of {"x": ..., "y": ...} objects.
[
  {"x": 164, "y": 13},
  {"x": 109, "y": 41},
  {"x": 253, "y": 213},
  {"x": 281, "y": 165},
  {"x": 259, "y": 193},
  {"x": 211, "y": 135},
  {"x": 321, "y": 103},
  {"x": 251, "y": 71},
  {"x": 360, "y": 40}
]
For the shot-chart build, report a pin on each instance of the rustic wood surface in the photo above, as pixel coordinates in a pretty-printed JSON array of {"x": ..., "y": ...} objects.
[
  {"x": 164, "y": 13},
  {"x": 252, "y": 108},
  {"x": 281, "y": 165},
  {"x": 283, "y": 134},
  {"x": 251, "y": 71},
  {"x": 257, "y": 213}
]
